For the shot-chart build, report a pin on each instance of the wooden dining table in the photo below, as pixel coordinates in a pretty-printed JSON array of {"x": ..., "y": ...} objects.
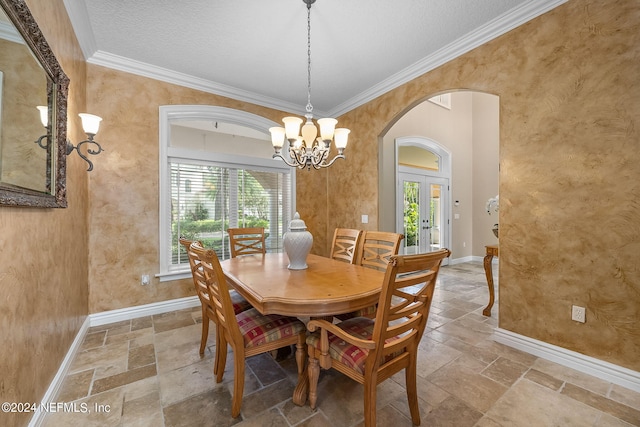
[{"x": 326, "y": 288}]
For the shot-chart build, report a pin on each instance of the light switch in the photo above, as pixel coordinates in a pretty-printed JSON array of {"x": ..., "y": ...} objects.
[
  {"x": 456, "y": 216},
  {"x": 365, "y": 219}
]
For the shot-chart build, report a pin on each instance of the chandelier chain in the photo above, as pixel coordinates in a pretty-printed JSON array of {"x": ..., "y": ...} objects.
[{"x": 309, "y": 106}]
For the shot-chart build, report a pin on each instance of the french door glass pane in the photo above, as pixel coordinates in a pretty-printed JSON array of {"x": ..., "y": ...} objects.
[{"x": 411, "y": 217}]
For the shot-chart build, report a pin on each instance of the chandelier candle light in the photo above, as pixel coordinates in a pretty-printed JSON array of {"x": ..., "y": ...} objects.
[{"x": 306, "y": 149}]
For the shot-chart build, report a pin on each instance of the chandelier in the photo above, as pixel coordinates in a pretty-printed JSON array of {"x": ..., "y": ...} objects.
[{"x": 306, "y": 149}]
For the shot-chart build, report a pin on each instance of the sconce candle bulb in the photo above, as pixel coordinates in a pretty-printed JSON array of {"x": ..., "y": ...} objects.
[
  {"x": 44, "y": 115},
  {"x": 91, "y": 125},
  {"x": 43, "y": 141}
]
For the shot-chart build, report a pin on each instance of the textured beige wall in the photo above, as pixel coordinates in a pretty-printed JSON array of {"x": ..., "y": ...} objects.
[
  {"x": 486, "y": 138},
  {"x": 569, "y": 179},
  {"x": 124, "y": 220},
  {"x": 43, "y": 255}
]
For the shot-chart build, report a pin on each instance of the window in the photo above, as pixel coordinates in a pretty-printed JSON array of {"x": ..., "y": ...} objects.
[
  {"x": 208, "y": 183},
  {"x": 223, "y": 197}
]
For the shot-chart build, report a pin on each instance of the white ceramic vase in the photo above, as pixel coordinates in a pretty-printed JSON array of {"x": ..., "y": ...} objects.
[{"x": 297, "y": 243}]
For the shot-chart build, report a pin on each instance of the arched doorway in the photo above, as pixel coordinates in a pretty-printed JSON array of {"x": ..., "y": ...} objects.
[{"x": 468, "y": 129}]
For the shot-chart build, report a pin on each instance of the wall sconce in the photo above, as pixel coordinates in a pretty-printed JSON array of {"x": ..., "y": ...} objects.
[{"x": 90, "y": 124}]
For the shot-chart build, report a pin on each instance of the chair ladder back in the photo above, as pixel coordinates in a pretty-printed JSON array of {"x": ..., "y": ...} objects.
[
  {"x": 218, "y": 291},
  {"x": 345, "y": 244},
  {"x": 196, "y": 270},
  {"x": 377, "y": 248},
  {"x": 246, "y": 241},
  {"x": 405, "y": 300}
]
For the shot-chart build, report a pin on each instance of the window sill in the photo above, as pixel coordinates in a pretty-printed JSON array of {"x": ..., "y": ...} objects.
[{"x": 174, "y": 275}]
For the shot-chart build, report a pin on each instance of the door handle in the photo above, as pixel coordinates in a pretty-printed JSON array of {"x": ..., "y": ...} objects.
[{"x": 426, "y": 228}]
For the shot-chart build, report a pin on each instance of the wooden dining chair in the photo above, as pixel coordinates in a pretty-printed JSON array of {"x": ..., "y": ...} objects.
[
  {"x": 248, "y": 333},
  {"x": 208, "y": 311},
  {"x": 371, "y": 350},
  {"x": 345, "y": 244},
  {"x": 377, "y": 248},
  {"x": 247, "y": 240},
  {"x": 374, "y": 251}
]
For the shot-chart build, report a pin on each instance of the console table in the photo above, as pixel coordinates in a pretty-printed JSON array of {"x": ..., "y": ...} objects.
[{"x": 491, "y": 251}]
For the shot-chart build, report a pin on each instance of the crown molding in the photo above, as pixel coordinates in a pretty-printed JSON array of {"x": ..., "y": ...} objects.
[
  {"x": 77, "y": 11},
  {"x": 495, "y": 28},
  {"x": 8, "y": 32},
  {"x": 128, "y": 65}
]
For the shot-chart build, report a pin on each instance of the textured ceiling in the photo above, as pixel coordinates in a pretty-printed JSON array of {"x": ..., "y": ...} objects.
[{"x": 256, "y": 51}]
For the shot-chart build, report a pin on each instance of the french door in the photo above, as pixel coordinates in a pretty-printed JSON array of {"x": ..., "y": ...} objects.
[{"x": 422, "y": 212}]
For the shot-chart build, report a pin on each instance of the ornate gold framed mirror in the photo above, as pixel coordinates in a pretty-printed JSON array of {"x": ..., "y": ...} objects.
[{"x": 32, "y": 149}]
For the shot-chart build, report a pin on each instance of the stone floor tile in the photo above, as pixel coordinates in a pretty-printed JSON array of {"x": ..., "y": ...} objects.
[
  {"x": 92, "y": 340},
  {"x": 468, "y": 385},
  {"x": 625, "y": 396},
  {"x": 141, "y": 356},
  {"x": 544, "y": 379},
  {"x": 604, "y": 404},
  {"x": 572, "y": 376},
  {"x": 141, "y": 323},
  {"x": 99, "y": 357},
  {"x": 76, "y": 386},
  {"x": 452, "y": 412},
  {"x": 504, "y": 371},
  {"x": 187, "y": 381},
  {"x": 174, "y": 320},
  {"x": 123, "y": 378},
  {"x": 528, "y": 403},
  {"x": 211, "y": 408}
]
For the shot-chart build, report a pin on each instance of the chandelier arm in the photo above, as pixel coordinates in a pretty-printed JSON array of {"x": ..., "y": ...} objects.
[
  {"x": 326, "y": 165},
  {"x": 280, "y": 156},
  {"x": 300, "y": 156}
]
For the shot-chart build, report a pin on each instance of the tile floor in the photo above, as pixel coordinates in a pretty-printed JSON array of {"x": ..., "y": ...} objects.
[{"x": 147, "y": 372}]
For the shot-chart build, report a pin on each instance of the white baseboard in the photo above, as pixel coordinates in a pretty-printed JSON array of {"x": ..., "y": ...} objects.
[
  {"x": 56, "y": 384},
  {"x": 129, "y": 313},
  {"x": 598, "y": 368},
  {"x": 98, "y": 319}
]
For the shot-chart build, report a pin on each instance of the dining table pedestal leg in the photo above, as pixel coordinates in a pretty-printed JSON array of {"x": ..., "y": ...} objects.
[{"x": 302, "y": 388}]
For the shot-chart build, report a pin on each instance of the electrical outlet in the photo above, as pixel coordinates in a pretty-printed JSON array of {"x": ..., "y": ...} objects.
[
  {"x": 578, "y": 314},
  {"x": 144, "y": 279}
]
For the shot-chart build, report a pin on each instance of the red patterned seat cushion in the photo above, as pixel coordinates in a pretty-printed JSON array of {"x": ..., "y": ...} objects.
[
  {"x": 259, "y": 329},
  {"x": 340, "y": 350},
  {"x": 239, "y": 303}
]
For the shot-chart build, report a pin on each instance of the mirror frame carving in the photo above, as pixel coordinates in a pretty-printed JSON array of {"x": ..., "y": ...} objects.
[{"x": 21, "y": 17}]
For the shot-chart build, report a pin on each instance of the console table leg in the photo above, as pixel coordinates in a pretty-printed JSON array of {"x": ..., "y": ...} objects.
[{"x": 488, "y": 271}]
